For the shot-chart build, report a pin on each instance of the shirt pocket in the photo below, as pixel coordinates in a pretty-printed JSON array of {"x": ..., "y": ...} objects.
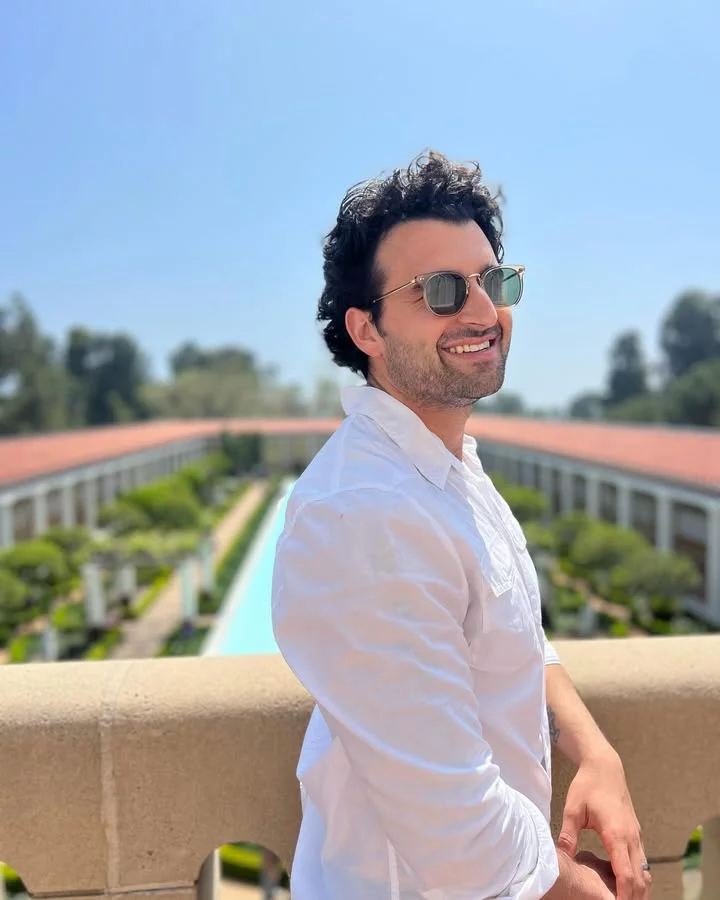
[{"x": 506, "y": 639}]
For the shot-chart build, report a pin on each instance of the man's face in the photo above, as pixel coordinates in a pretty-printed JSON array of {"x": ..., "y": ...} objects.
[{"x": 415, "y": 354}]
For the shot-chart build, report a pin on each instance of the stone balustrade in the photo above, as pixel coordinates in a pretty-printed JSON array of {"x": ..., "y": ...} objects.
[{"x": 121, "y": 778}]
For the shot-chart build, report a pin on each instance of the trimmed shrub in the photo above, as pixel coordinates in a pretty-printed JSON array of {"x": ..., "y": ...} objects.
[
  {"x": 13, "y": 597},
  {"x": 539, "y": 537},
  {"x": 101, "y": 649},
  {"x": 662, "y": 577},
  {"x": 70, "y": 540},
  {"x": 40, "y": 565},
  {"x": 527, "y": 504},
  {"x": 600, "y": 546},
  {"x": 123, "y": 517},
  {"x": 70, "y": 617},
  {"x": 167, "y": 504},
  {"x": 25, "y": 648},
  {"x": 619, "y": 629},
  {"x": 566, "y": 529}
]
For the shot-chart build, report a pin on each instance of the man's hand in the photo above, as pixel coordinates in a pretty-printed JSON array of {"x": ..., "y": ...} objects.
[
  {"x": 599, "y": 799},
  {"x": 584, "y": 878}
]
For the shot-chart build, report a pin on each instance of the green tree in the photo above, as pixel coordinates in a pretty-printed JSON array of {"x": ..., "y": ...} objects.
[
  {"x": 222, "y": 383},
  {"x": 661, "y": 578},
  {"x": 566, "y": 530},
  {"x": 13, "y": 597},
  {"x": 33, "y": 388},
  {"x": 589, "y": 405},
  {"x": 690, "y": 333},
  {"x": 628, "y": 371},
  {"x": 108, "y": 372},
  {"x": 600, "y": 546},
  {"x": 650, "y": 407},
  {"x": 527, "y": 504},
  {"x": 694, "y": 398},
  {"x": 40, "y": 565}
]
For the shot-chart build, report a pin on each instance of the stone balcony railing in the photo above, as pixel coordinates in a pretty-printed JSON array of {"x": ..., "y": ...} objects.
[{"x": 120, "y": 779}]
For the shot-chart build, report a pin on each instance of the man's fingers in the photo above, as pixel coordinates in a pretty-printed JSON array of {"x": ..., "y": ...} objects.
[
  {"x": 629, "y": 877},
  {"x": 573, "y": 823}
]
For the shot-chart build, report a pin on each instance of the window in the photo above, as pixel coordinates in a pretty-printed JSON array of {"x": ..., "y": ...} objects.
[
  {"x": 79, "y": 502},
  {"x": 689, "y": 529},
  {"x": 23, "y": 520},
  {"x": 557, "y": 499},
  {"x": 54, "y": 507},
  {"x": 608, "y": 502},
  {"x": 579, "y": 493},
  {"x": 537, "y": 476},
  {"x": 643, "y": 514}
]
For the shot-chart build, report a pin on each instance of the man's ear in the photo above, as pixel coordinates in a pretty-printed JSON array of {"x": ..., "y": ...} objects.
[{"x": 363, "y": 332}]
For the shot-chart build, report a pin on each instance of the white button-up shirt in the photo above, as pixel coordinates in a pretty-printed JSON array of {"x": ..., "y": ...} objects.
[{"x": 404, "y": 599}]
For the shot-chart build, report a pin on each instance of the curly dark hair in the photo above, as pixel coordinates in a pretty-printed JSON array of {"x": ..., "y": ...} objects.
[{"x": 432, "y": 187}]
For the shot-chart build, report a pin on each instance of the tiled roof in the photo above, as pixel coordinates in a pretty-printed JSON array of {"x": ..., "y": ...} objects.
[
  {"x": 681, "y": 455},
  {"x": 690, "y": 456},
  {"x": 24, "y": 458}
]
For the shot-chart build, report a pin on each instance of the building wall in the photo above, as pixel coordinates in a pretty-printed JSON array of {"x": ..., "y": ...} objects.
[
  {"x": 670, "y": 516},
  {"x": 74, "y": 497}
]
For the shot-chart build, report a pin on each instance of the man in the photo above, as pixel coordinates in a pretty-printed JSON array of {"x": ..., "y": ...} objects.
[{"x": 404, "y": 598}]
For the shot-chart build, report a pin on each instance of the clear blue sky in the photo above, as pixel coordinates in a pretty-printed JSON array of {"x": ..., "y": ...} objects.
[{"x": 170, "y": 168}]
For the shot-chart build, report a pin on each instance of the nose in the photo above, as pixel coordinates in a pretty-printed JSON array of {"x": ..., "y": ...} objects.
[{"x": 479, "y": 309}]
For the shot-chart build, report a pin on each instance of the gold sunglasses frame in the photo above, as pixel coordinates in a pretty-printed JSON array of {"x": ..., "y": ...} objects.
[{"x": 421, "y": 281}]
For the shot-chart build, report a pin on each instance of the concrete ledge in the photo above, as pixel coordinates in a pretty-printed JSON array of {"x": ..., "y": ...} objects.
[{"x": 121, "y": 777}]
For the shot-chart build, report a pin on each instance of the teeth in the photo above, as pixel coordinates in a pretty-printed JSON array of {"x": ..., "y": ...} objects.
[{"x": 470, "y": 348}]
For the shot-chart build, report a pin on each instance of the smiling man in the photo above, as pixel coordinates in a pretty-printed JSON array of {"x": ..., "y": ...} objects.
[{"x": 404, "y": 598}]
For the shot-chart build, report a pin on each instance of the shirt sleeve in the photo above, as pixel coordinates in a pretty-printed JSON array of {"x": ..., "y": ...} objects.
[
  {"x": 369, "y": 597},
  {"x": 551, "y": 655}
]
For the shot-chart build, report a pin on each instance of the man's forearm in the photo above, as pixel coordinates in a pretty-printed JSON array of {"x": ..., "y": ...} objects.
[{"x": 572, "y": 729}]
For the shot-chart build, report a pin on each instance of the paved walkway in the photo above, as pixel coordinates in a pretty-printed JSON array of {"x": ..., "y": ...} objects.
[
  {"x": 235, "y": 890},
  {"x": 145, "y": 636}
]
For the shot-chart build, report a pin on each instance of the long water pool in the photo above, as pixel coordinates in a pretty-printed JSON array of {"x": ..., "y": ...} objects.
[{"x": 244, "y": 626}]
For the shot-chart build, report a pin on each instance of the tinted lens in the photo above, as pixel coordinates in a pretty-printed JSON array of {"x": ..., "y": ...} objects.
[
  {"x": 503, "y": 285},
  {"x": 445, "y": 293}
]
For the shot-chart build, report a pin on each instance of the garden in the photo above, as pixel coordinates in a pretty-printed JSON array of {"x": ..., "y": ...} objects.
[
  {"x": 66, "y": 594},
  {"x": 600, "y": 580}
]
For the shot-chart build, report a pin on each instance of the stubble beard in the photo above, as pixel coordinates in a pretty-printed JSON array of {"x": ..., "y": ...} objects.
[{"x": 432, "y": 382}]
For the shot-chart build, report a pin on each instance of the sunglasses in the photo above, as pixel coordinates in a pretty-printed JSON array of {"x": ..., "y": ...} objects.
[{"x": 446, "y": 293}]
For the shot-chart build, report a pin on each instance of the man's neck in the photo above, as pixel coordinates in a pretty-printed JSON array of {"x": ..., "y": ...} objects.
[{"x": 448, "y": 423}]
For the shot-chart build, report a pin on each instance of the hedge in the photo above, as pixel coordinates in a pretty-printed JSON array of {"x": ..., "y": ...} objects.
[
  {"x": 180, "y": 644},
  {"x": 242, "y": 862},
  {"x": 23, "y": 649},
  {"x": 233, "y": 558},
  {"x": 101, "y": 649}
]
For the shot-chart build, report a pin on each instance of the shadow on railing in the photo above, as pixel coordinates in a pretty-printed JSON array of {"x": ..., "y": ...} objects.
[{"x": 124, "y": 777}]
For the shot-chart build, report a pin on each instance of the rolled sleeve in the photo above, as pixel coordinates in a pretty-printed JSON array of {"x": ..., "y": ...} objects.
[
  {"x": 369, "y": 599},
  {"x": 551, "y": 655}
]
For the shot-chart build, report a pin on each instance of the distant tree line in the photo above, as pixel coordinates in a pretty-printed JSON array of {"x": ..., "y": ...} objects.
[
  {"x": 95, "y": 378},
  {"x": 683, "y": 388}
]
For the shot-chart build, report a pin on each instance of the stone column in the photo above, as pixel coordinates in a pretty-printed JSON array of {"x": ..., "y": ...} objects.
[
  {"x": 188, "y": 592},
  {"x": 68, "y": 504},
  {"x": 91, "y": 502},
  {"x": 94, "y": 596},
  {"x": 592, "y": 499},
  {"x": 51, "y": 648},
  {"x": 208, "y": 887},
  {"x": 207, "y": 570},
  {"x": 663, "y": 521},
  {"x": 623, "y": 504},
  {"x": 108, "y": 490},
  {"x": 40, "y": 511},
  {"x": 567, "y": 491},
  {"x": 7, "y": 529},
  {"x": 712, "y": 589}
]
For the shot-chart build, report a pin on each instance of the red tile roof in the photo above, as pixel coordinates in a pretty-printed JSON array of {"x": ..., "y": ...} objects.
[
  {"x": 681, "y": 455},
  {"x": 676, "y": 454}
]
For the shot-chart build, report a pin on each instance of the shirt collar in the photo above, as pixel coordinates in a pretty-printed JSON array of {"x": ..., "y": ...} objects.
[{"x": 426, "y": 451}]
